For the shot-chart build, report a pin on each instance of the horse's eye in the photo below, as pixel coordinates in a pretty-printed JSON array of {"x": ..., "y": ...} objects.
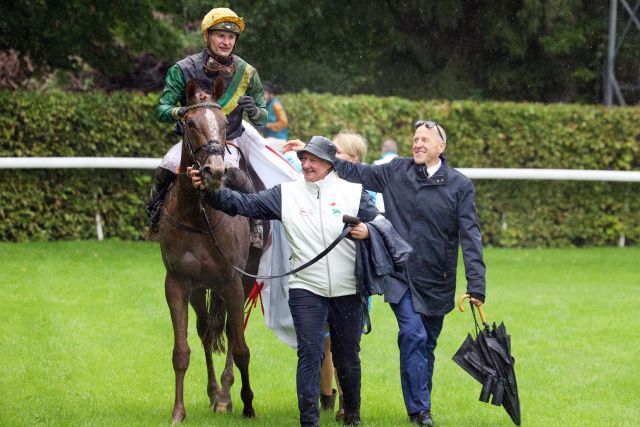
[{"x": 190, "y": 123}]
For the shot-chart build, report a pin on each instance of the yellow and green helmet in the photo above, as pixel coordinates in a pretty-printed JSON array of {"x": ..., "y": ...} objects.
[{"x": 222, "y": 18}]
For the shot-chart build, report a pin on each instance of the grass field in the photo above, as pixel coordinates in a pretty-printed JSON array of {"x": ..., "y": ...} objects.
[{"x": 86, "y": 340}]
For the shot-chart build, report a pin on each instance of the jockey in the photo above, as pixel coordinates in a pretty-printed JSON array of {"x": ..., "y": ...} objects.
[{"x": 221, "y": 28}]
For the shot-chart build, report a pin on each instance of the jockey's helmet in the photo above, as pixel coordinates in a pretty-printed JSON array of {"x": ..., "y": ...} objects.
[{"x": 222, "y": 18}]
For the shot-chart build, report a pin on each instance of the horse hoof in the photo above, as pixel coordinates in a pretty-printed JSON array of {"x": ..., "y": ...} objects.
[
  {"x": 223, "y": 407},
  {"x": 248, "y": 413},
  {"x": 178, "y": 417}
]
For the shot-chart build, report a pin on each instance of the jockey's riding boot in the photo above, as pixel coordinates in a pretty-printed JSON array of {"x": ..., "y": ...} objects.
[{"x": 163, "y": 180}]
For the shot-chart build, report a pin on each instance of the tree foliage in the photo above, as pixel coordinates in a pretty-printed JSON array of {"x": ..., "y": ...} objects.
[
  {"x": 537, "y": 50},
  {"x": 103, "y": 34},
  {"x": 525, "y": 50}
]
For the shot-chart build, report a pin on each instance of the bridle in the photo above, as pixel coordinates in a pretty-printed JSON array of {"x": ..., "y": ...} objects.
[{"x": 212, "y": 146}]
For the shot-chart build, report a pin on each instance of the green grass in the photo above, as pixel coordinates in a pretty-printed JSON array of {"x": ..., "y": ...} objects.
[{"x": 86, "y": 340}]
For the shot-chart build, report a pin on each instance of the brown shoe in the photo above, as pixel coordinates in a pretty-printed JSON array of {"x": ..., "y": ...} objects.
[{"x": 340, "y": 413}]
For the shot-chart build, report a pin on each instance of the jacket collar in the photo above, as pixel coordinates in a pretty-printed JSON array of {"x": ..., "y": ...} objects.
[
  {"x": 331, "y": 177},
  {"x": 439, "y": 178}
]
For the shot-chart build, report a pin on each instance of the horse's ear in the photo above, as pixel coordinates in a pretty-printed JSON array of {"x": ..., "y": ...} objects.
[
  {"x": 218, "y": 88},
  {"x": 190, "y": 91}
]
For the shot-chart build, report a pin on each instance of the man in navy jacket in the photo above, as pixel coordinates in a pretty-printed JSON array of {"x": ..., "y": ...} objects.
[{"x": 432, "y": 206}]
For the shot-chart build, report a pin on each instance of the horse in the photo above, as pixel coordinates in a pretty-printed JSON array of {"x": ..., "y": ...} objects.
[{"x": 200, "y": 247}]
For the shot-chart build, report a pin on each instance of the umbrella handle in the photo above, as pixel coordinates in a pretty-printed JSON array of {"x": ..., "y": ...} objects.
[{"x": 483, "y": 316}]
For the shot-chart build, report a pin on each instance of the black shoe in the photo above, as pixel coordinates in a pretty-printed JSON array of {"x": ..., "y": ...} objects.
[{"x": 422, "y": 418}]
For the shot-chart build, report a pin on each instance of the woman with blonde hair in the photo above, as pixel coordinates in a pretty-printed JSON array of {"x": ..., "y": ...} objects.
[{"x": 350, "y": 146}]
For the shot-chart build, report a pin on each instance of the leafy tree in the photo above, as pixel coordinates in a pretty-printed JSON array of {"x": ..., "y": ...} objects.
[
  {"x": 104, "y": 34},
  {"x": 538, "y": 50},
  {"x": 523, "y": 50}
]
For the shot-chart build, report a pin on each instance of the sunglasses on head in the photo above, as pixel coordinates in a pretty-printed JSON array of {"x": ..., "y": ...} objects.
[{"x": 430, "y": 124}]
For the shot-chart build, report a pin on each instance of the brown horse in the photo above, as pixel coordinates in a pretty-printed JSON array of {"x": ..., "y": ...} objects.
[{"x": 197, "y": 271}]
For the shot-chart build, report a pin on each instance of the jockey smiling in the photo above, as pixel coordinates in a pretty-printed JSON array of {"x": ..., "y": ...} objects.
[{"x": 221, "y": 28}]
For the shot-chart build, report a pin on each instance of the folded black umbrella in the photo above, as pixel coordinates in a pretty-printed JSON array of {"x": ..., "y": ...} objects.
[{"x": 487, "y": 358}]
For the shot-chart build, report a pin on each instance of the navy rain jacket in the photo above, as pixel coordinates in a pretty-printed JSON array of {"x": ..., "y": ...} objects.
[{"x": 435, "y": 215}]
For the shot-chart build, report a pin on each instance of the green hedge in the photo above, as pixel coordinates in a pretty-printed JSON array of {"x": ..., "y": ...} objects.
[{"x": 61, "y": 204}]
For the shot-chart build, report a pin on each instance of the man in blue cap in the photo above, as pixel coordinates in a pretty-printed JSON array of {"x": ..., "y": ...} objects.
[{"x": 325, "y": 292}]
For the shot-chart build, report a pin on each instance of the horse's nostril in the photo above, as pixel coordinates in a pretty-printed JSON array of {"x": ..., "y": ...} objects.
[{"x": 206, "y": 172}]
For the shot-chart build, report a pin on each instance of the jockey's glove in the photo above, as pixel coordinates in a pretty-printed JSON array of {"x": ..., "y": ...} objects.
[
  {"x": 179, "y": 112},
  {"x": 248, "y": 104}
]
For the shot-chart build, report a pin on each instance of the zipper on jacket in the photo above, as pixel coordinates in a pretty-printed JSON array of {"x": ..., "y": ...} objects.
[{"x": 323, "y": 240}]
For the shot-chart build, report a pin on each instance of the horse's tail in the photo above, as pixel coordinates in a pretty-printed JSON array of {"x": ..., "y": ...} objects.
[{"x": 216, "y": 317}]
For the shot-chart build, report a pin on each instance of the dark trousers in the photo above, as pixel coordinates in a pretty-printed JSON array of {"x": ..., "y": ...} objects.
[
  {"x": 310, "y": 313},
  {"x": 417, "y": 339}
]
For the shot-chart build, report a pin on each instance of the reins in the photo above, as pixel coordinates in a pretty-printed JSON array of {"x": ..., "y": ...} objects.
[{"x": 349, "y": 221}]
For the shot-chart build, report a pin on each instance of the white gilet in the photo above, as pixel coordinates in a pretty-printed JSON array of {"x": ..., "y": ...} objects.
[{"x": 312, "y": 217}]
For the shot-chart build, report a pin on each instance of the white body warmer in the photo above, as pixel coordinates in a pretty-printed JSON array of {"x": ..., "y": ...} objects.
[{"x": 312, "y": 217}]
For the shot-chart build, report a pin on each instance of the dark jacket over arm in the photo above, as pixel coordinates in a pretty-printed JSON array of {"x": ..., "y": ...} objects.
[
  {"x": 383, "y": 253},
  {"x": 367, "y": 211}
]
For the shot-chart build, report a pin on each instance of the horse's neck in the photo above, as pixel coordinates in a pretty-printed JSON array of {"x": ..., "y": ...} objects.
[{"x": 187, "y": 204}]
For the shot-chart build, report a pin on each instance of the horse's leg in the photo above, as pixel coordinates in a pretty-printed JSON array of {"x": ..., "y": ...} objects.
[
  {"x": 252, "y": 268},
  {"x": 199, "y": 303},
  {"x": 223, "y": 400},
  {"x": 177, "y": 295},
  {"x": 239, "y": 348}
]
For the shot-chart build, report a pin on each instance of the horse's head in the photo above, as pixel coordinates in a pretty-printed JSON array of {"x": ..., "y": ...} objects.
[{"x": 205, "y": 126}]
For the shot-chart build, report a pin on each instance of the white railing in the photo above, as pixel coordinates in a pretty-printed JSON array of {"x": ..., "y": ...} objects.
[
  {"x": 78, "y": 163},
  {"x": 473, "y": 173}
]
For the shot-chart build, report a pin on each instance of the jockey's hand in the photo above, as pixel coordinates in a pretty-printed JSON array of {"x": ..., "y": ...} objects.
[
  {"x": 294, "y": 144},
  {"x": 360, "y": 231},
  {"x": 196, "y": 180},
  {"x": 248, "y": 104}
]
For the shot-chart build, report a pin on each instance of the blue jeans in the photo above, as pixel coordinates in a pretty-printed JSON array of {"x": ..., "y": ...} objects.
[
  {"x": 310, "y": 313},
  {"x": 417, "y": 340}
]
